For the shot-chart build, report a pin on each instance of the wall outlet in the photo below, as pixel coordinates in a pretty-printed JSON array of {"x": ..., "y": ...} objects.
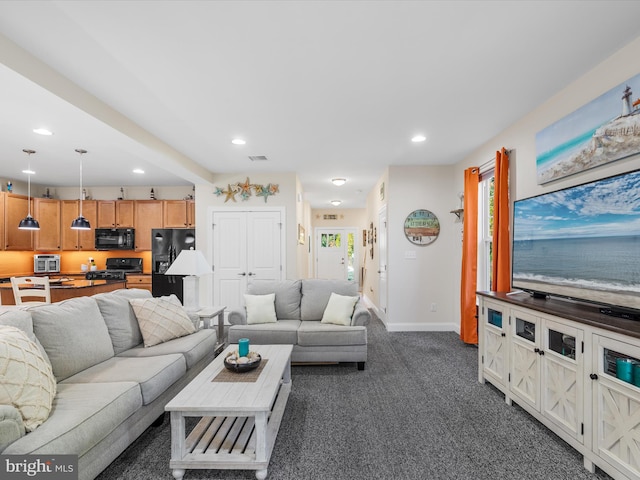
[{"x": 434, "y": 307}]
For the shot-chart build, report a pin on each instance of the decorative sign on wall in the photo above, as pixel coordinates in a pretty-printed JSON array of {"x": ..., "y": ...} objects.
[
  {"x": 602, "y": 131},
  {"x": 421, "y": 227},
  {"x": 245, "y": 190}
]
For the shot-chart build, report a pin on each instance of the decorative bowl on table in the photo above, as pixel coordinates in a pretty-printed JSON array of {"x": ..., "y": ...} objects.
[{"x": 238, "y": 364}]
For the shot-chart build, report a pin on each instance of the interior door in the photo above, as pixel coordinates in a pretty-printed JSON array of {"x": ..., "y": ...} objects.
[
  {"x": 382, "y": 260},
  {"x": 336, "y": 254},
  {"x": 246, "y": 245}
]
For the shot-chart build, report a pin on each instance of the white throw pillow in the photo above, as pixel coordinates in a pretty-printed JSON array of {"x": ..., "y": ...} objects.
[
  {"x": 161, "y": 320},
  {"x": 261, "y": 308},
  {"x": 26, "y": 378},
  {"x": 339, "y": 310}
]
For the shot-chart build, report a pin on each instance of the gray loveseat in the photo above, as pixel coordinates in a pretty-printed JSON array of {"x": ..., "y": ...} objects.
[
  {"x": 299, "y": 307},
  {"x": 110, "y": 388}
]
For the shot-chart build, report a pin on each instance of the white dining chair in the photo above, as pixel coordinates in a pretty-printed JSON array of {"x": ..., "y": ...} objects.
[{"x": 31, "y": 287}]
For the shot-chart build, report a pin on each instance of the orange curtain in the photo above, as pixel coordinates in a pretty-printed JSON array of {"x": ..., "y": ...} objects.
[
  {"x": 501, "y": 262},
  {"x": 468, "y": 283}
]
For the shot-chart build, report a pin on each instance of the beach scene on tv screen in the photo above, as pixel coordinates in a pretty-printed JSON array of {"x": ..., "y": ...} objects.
[{"x": 584, "y": 237}]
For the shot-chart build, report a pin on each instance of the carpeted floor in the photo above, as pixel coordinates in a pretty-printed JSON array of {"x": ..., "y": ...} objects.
[{"x": 416, "y": 412}]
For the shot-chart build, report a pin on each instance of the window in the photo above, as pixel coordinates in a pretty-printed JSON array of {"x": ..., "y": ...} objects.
[{"x": 485, "y": 230}]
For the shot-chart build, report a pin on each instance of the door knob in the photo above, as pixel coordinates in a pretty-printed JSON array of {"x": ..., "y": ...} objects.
[
  {"x": 242, "y": 274},
  {"x": 251, "y": 273}
]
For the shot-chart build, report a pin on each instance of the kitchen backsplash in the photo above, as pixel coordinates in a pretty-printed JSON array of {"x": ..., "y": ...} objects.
[{"x": 21, "y": 262}]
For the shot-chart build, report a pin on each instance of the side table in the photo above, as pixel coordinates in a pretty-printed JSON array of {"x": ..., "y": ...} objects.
[{"x": 206, "y": 314}]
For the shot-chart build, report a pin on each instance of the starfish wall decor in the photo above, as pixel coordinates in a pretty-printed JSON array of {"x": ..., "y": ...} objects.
[{"x": 245, "y": 190}]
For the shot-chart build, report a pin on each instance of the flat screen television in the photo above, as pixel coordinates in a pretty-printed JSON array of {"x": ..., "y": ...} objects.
[{"x": 583, "y": 243}]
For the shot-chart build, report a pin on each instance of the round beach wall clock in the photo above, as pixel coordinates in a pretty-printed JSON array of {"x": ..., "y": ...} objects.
[{"x": 421, "y": 227}]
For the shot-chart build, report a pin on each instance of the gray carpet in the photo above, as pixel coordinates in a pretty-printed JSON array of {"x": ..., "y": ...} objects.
[{"x": 416, "y": 412}]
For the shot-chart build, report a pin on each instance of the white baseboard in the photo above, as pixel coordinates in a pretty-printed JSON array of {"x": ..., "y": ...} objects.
[
  {"x": 420, "y": 327},
  {"x": 411, "y": 327}
]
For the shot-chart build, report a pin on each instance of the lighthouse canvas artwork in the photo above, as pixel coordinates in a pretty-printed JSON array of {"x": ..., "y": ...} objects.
[{"x": 602, "y": 131}]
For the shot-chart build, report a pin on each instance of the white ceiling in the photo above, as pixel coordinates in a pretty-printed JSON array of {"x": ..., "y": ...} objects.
[{"x": 322, "y": 88}]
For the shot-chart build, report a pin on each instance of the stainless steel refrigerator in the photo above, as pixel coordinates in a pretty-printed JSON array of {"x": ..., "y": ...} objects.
[{"x": 167, "y": 243}]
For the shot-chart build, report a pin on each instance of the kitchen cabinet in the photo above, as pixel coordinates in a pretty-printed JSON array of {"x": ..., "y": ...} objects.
[
  {"x": 47, "y": 212},
  {"x": 148, "y": 215},
  {"x": 179, "y": 214},
  {"x": 2, "y": 218},
  {"x": 77, "y": 239},
  {"x": 16, "y": 207},
  {"x": 139, "y": 281},
  {"x": 115, "y": 214},
  {"x": 191, "y": 213}
]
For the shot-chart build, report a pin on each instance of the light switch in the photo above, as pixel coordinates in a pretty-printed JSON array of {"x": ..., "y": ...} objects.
[{"x": 410, "y": 254}]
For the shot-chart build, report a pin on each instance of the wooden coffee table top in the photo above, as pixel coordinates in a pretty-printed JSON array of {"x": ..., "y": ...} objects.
[{"x": 202, "y": 395}]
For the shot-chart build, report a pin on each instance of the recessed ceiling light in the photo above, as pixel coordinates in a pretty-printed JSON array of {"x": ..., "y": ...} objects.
[
  {"x": 238, "y": 141},
  {"x": 138, "y": 170},
  {"x": 42, "y": 131},
  {"x": 418, "y": 138},
  {"x": 338, "y": 182},
  {"x": 335, "y": 203}
]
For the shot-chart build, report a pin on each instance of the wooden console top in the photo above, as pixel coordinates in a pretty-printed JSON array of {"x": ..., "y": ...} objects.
[{"x": 571, "y": 310}]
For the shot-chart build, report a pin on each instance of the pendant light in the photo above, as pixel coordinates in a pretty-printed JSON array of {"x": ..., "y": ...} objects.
[
  {"x": 80, "y": 223},
  {"x": 28, "y": 222}
]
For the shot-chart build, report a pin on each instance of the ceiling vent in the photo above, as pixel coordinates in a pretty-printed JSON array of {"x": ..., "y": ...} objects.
[{"x": 257, "y": 158}]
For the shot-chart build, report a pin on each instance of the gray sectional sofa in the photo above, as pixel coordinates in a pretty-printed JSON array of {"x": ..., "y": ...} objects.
[
  {"x": 299, "y": 308},
  {"x": 110, "y": 388}
]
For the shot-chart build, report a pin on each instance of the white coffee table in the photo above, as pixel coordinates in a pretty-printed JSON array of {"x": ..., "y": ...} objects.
[{"x": 240, "y": 419}]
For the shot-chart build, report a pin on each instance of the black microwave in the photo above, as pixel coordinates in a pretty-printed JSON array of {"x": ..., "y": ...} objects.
[{"x": 115, "y": 239}]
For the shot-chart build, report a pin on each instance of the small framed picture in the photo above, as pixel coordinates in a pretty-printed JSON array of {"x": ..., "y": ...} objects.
[{"x": 301, "y": 235}]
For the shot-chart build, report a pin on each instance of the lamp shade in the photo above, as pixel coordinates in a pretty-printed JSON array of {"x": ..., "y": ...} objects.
[
  {"x": 29, "y": 223},
  {"x": 80, "y": 223},
  {"x": 189, "y": 262}
]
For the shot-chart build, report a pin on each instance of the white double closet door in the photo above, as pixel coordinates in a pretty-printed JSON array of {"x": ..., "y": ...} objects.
[{"x": 247, "y": 245}]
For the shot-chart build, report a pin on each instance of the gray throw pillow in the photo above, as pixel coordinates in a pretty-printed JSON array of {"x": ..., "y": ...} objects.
[
  {"x": 287, "y": 292},
  {"x": 73, "y": 333},
  {"x": 120, "y": 318},
  {"x": 316, "y": 293}
]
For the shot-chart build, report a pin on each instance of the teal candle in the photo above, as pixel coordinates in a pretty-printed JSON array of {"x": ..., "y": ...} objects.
[
  {"x": 243, "y": 347},
  {"x": 636, "y": 374},
  {"x": 624, "y": 369}
]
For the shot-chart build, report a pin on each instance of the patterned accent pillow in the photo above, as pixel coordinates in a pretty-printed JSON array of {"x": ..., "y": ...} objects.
[
  {"x": 161, "y": 320},
  {"x": 26, "y": 378}
]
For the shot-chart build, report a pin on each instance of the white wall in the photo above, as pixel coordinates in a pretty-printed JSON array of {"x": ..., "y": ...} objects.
[
  {"x": 371, "y": 283},
  {"x": 520, "y": 137},
  {"x": 418, "y": 285},
  {"x": 434, "y": 276},
  {"x": 206, "y": 199},
  {"x": 130, "y": 193}
]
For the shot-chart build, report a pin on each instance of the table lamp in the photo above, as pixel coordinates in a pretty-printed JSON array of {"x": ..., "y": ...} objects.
[{"x": 192, "y": 264}]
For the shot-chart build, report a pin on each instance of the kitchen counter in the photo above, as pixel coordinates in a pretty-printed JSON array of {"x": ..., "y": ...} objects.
[{"x": 62, "y": 289}]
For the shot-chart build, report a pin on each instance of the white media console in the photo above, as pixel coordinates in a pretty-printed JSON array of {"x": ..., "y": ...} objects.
[{"x": 557, "y": 360}]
